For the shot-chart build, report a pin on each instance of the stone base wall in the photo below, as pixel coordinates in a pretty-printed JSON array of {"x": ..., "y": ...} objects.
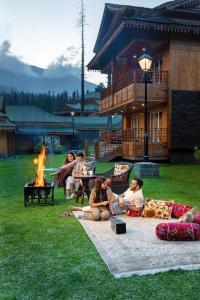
[
  {"x": 181, "y": 156},
  {"x": 147, "y": 169}
]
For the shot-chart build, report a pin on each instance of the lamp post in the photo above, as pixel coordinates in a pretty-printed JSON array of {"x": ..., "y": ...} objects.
[
  {"x": 73, "y": 137},
  {"x": 145, "y": 62}
]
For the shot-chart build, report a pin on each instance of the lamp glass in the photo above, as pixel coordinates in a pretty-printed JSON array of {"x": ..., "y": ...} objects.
[
  {"x": 145, "y": 62},
  {"x": 72, "y": 113}
]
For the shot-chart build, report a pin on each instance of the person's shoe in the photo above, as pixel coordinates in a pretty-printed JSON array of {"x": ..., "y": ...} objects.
[
  {"x": 67, "y": 194},
  {"x": 73, "y": 196},
  {"x": 65, "y": 214},
  {"x": 69, "y": 197}
]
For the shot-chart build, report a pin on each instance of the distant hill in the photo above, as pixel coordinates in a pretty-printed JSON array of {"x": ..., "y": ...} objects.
[{"x": 41, "y": 84}]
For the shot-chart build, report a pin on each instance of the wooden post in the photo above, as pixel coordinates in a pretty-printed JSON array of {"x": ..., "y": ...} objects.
[
  {"x": 87, "y": 149},
  {"x": 96, "y": 149}
]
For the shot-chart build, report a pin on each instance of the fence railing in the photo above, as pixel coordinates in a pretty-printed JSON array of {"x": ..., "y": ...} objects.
[
  {"x": 136, "y": 135},
  {"x": 133, "y": 77}
]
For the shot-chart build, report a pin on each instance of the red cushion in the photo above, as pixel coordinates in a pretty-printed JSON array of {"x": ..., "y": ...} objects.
[
  {"x": 197, "y": 218},
  {"x": 132, "y": 213},
  {"x": 179, "y": 231},
  {"x": 179, "y": 209}
]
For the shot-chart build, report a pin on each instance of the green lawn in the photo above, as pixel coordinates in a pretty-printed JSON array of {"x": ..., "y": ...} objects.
[{"x": 44, "y": 256}]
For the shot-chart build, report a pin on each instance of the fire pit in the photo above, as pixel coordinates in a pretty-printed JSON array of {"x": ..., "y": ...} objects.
[
  {"x": 40, "y": 194},
  {"x": 39, "y": 190}
]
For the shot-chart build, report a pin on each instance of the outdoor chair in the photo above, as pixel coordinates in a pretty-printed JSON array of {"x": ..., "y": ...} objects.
[{"x": 118, "y": 180}]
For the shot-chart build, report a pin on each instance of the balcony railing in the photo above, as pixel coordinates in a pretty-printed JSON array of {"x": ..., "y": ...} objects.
[
  {"x": 136, "y": 135},
  {"x": 135, "y": 77},
  {"x": 130, "y": 87}
]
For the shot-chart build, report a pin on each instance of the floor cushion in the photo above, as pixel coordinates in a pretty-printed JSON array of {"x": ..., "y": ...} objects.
[
  {"x": 197, "y": 218},
  {"x": 158, "y": 209},
  {"x": 179, "y": 231},
  {"x": 178, "y": 210},
  {"x": 188, "y": 216},
  {"x": 132, "y": 213}
]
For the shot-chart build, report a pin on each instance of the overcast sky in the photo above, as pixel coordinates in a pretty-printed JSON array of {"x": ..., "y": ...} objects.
[{"x": 44, "y": 31}]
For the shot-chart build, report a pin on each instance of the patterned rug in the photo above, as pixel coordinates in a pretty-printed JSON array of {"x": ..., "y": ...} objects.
[{"x": 139, "y": 251}]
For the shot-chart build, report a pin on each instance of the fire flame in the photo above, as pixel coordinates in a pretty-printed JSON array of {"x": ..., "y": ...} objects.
[{"x": 39, "y": 161}]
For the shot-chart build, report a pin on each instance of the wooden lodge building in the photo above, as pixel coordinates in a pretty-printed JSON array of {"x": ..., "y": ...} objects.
[
  {"x": 22, "y": 127},
  {"x": 170, "y": 34}
]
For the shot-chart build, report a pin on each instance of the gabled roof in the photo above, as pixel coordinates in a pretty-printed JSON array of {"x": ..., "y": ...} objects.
[
  {"x": 31, "y": 115},
  {"x": 178, "y": 4},
  {"x": 77, "y": 107},
  {"x": 45, "y": 130},
  {"x": 92, "y": 95},
  {"x": 5, "y": 123},
  {"x": 180, "y": 16},
  {"x": 111, "y": 12},
  {"x": 19, "y": 113}
]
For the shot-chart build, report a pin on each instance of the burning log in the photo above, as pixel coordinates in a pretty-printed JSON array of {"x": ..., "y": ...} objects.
[
  {"x": 40, "y": 167},
  {"x": 39, "y": 190}
]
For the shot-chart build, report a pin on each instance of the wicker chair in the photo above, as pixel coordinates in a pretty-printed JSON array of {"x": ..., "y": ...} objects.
[{"x": 118, "y": 183}]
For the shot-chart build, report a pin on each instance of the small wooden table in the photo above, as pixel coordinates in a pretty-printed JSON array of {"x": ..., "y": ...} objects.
[{"x": 85, "y": 190}]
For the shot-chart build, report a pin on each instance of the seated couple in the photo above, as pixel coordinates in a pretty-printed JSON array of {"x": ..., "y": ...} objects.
[
  {"x": 73, "y": 166},
  {"x": 103, "y": 201}
]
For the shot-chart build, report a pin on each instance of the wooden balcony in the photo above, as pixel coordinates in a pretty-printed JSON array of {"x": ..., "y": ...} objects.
[
  {"x": 130, "y": 88},
  {"x": 133, "y": 144}
]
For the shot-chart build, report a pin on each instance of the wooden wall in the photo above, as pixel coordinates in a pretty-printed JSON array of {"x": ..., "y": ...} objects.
[
  {"x": 120, "y": 68},
  {"x": 3, "y": 144},
  {"x": 11, "y": 142},
  {"x": 184, "y": 65},
  {"x": 165, "y": 61},
  {"x": 23, "y": 143}
]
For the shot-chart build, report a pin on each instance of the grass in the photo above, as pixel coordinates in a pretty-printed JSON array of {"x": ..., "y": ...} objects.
[{"x": 43, "y": 256}]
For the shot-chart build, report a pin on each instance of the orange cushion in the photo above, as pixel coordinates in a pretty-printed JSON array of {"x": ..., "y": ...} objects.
[
  {"x": 120, "y": 169},
  {"x": 158, "y": 209}
]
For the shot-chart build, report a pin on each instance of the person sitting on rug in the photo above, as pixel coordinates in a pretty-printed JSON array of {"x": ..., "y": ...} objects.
[
  {"x": 62, "y": 174},
  {"x": 131, "y": 200},
  {"x": 100, "y": 201}
]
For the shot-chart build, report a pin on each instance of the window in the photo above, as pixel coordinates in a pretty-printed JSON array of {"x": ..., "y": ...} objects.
[
  {"x": 136, "y": 129},
  {"x": 49, "y": 140},
  {"x": 157, "y": 71},
  {"x": 155, "y": 126}
]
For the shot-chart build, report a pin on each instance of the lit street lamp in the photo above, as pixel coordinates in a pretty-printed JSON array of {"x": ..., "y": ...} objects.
[
  {"x": 73, "y": 137},
  {"x": 145, "y": 62}
]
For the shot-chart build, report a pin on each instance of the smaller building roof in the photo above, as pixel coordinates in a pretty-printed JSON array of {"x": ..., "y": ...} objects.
[
  {"x": 32, "y": 116},
  {"x": 6, "y": 124},
  {"x": 20, "y": 113},
  {"x": 92, "y": 95},
  {"x": 77, "y": 107},
  {"x": 45, "y": 130}
]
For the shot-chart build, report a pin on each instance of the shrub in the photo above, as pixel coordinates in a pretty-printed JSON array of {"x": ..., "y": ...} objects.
[
  {"x": 58, "y": 149},
  {"x": 37, "y": 147}
]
